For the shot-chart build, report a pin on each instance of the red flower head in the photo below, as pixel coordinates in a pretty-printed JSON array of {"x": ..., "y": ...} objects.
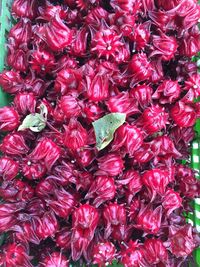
[
  {"x": 167, "y": 92},
  {"x": 110, "y": 164},
  {"x": 165, "y": 46},
  {"x": 55, "y": 259},
  {"x": 25, "y": 8},
  {"x": 25, "y": 103},
  {"x": 46, "y": 150},
  {"x": 154, "y": 119},
  {"x": 15, "y": 255},
  {"x": 182, "y": 240},
  {"x": 122, "y": 103},
  {"x": 183, "y": 114},
  {"x": 85, "y": 217},
  {"x": 142, "y": 94},
  {"x": 56, "y": 34},
  {"x": 140, "y": 68},
  {"x": 21, "y": 32},
  {"x": 75, "y": 135},
  {"x": 149, "y": 220},
  {"x": 9, "y": 119},
  {"x": 8, "y": 168},
  {"x": 47, "y": 226},
  {"x": 42, "y": 61},
  {"x": 70, "y": 106},
  {"x": 113, "y": 215},
  {"x": 155, "y": 252},
  {"x": 103, "y": 254},
  {"x": 11, "y": 81},
  {"x": 14, "y": 144},
  {"x": 97, "y": 87},
  {"x": 62, "y": 203},
  {"x": 67, "y": 79},
  {"x": 171, "y": 201},
  {"x": 101, "y": 190},
  {"x": 107, "y": 43}
]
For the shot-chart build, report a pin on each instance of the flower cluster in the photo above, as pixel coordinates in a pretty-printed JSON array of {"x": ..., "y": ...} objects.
[{"x": 65, "y": 198}]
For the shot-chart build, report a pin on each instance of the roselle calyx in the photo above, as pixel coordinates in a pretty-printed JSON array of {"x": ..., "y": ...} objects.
[
  {"x": 101, "y": 190},
  {"x": 9, "y": 119}
]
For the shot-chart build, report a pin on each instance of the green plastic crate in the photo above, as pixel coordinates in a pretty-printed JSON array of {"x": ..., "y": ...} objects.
[{"x": 5, "y": 25}]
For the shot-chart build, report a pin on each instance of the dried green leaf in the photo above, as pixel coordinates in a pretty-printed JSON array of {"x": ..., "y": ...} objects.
[
  {"x": 105, "y": 128},
  {"x": 35, "y": 122}
]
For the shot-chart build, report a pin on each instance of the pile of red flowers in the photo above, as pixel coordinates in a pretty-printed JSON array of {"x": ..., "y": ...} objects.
[{"x": 102, "y": 115}]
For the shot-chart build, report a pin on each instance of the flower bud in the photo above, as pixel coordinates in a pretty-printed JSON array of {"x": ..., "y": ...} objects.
[
  {"x": 183, "y": 115},
  {"x": 142, "y": 94},
  {"x": 182, "y": 235},
  {"x": 79, "y": 43},
  {"x": 140, "y": 67},
  {"x": 85, "y": 217},
  {"x": 122, "y": 103},
  {"x": 171, "y": 201},
  {"x": 165, "y": 46},
  {"x": 110, "y": 164},
  {"x": 33, "y": 170},
  {"x": 42, "y": 61},
  {"x": 63, "y": 238},
  {"x": 47, "y": 225},
  {"x": 14, "y": 144},
  {"x": 57, "y": 34},
  {"x": 156, "y": 180},
  {"x": 62, "y": 203},
  {"x": 75, "y": 135},
  {"x": 126, "y": 5},
  {"x": 103, "y": 253},
  {"x": 16, "y": 191},
  {"x": 21, "y": 32},
  {"x": 149, "y": 220},
  {"x": 70, "y": 106},
  {"x": 9, "y": 119},
  {"x": 55, "y": 259},
  {"x": 113, "y": 215},
  {"x": 132, "y": 256},
  {"x": 97, "y": 87},
  {"x": 155, "y": 251},
  {"x": 92, "y": 111},
  {"x": 46, "y": 150},
  {"x": 154, "y": 119},
  {"x": 25, "y": 8},
  {"x": 15, "y": 255},
  {"x": 25, "y": 103},
  {"x": 101, "y": 190},
  {"x": 67, "y": 79},
  {"x": 8, "y": 168},
  {"x": 11, "y": 81},
  {"x": 106, "y": 43},
  {"x": 17, "y": 59},
  {"x": 167, "y": 92},
  {"x": 141, "y": 35}
]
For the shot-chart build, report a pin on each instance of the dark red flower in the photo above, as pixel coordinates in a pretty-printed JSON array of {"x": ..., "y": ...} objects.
[
  {"x": 21, "y": 32},
  {"x": 183, "y": 114},
  {"x": 25, "y": 8},
  {"x": 14, "y": 144},
  {"x": 149, "y": 220},
  {"x": 8, "y": 168},
  {"x": 9, "y": 119},
  {"x": 42, "y": 61},
  {"x": 25, "y": 103},
  {"x": 55, "y": 259},
  {"x": 75, "y": 135},
  {"x": 110, "y": 164},
  {"x": 101, "y": 190},
  {"x": 103, "y": 254},
  {"x": 56, "y": 34},
  {"x": 171, "y": 201}
]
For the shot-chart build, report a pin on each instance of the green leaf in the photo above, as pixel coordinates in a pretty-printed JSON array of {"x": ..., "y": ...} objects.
[
  {"x": 35, "y": 122},
  {"x": 105, "y": 128}
]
